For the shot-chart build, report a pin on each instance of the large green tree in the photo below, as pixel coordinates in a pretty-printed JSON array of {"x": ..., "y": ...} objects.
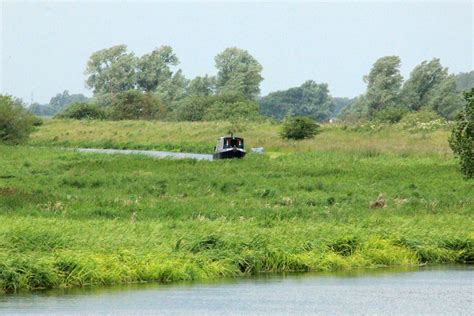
[
  {"x": 154, "y": 69},
  {"x": 202, "y": 86},
  {"x": 465, "y": 80},
  {"x": 445, "y": 98},
  {"x": 424, "y": 80},
  {"x": 238, "y": 72},
  {"x": 383, "y": 84},
  {"x": 310, "y": 99},
  {"x": 111, "y": 70}
]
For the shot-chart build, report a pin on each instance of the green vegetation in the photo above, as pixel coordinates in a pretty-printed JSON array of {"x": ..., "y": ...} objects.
[
  {"x": 299, "y": 127},
  {"x": 57, "y": 104},
  {"x": 310, "y": 99},
  {"x": 83, "y": 111},
  {"x": 462, "y": 137},
  {"x": 16, "y": 123},
  {"x": 70, "y": 219}
]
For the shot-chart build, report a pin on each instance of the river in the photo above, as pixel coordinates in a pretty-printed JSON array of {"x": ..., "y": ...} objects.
[{"x": 440, "y": 290}]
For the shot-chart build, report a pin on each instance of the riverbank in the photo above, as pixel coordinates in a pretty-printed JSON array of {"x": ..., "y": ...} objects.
[{"x": 69, "y": 219}]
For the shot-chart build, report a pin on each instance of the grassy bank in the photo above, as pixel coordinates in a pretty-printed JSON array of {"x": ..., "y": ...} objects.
[
  {"x": 200, "y": 137},
  {"x": 70, "y": 219}
]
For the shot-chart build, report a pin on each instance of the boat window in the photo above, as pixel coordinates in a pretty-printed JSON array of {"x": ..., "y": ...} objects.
[{"x": 237, "y": 142}]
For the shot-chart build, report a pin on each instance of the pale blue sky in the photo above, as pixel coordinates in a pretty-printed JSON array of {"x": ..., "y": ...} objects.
[{"x": 45, "y": 46}]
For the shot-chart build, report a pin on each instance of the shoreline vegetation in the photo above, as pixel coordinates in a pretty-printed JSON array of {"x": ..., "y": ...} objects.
[{"x": 69, "y": 219}]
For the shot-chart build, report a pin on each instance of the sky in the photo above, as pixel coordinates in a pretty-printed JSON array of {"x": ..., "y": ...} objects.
[{"x": 44, "y": 46}]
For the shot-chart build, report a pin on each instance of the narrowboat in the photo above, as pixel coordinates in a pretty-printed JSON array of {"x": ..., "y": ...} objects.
[{"x": 229, "y": 147}]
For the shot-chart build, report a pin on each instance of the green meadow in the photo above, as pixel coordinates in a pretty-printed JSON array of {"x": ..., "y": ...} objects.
[{"x": 71, "y": 219}]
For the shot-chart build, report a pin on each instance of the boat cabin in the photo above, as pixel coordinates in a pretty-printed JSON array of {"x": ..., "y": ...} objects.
[{"x": 229, "y": 147}]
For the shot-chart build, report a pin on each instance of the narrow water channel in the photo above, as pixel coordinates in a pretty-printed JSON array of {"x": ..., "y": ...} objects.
[{"x": 439, "y": 290}]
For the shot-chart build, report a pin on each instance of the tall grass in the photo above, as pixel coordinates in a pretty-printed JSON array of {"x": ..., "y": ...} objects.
[
  {"x": 200, "y": 137},
  {"x": 69, "y": 219}
]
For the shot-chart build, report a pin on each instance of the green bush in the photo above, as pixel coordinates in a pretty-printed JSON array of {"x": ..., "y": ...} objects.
[
  {"x": 424, "y": 120},
  {"x": 299, "y": 127},
  {"x": 228, "y": 106},
  {"x": 241, "y": 110},
  {"x": 462, "y": 137},
  {"x": 392, "y": 114},
  {"x": 135, "y": 105},
  {"x": 83, "y": 111},
  {"x": 16, "y": 123}
]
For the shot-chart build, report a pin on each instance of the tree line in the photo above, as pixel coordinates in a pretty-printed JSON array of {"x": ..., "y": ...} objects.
[{"x": 151, "y": 86}]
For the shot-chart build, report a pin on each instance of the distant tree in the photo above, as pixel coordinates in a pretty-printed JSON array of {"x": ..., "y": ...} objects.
[
  {"x": 154, "y": 69},
  {"x": 465, "y": 80},
  {"x": 61, "y": 100},
  {"x": 173, "y": 89},
  {"x": 356, "y": 111},
  {"x": 462, "y": 137},
  {"x": 383, "y": 84},
  {"x": 309, "y": 99},
  {"x": 445, "y": 98},
  {"x": 111, "y": 70},
  {"x": 16, "y": 123},
  {"x": 341, "y": 103},
  {"x": 202, "y": 86},
  {"x": 424, "y": 79},
  {"x": 299, "y": 127},
  {"x": 238, "y": 72}
]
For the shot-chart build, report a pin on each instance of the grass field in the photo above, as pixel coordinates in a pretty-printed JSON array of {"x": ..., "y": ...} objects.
[{"x": 71, "y": 219}]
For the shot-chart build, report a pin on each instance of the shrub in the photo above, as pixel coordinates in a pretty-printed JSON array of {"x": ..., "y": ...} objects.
[
  {"x": 82, "y": 111},
  {"x": 241, "y": 110},
  {"x": 425, "y": 120},
  {"x": 299, "y": 127},
  {"x": 228, "y": 106},
  {"x": 16, "y": 123},
  {"x": 391, "y": 114},
  {"x": 135, "y": 105},
  {"x": 462, "y": 137},
  {"x": 192, "y": 108}
]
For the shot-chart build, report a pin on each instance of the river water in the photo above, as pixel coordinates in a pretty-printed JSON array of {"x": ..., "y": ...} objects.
[
  {"x": 150, "y": 153},
  {"x": 443, "y": 290}
]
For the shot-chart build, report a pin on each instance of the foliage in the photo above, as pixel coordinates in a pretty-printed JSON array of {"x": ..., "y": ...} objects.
[
  {"x": 299, "y": 127},
  {"x": 135, "y": 105},
  {"x": 446, "y": 100},
  {"x": 392, "y": 114},
  {"x": 233, "y": 111},
  {"x": 238, "y": 72},
  {"x": 383, "y": 84},
  {"x": 425, "y": 120},
  {"x": 57, "y": 103},
  {"x": 228, "y": 106},
  {"x": 465, "y": 80},
  {"x": 111, "y": 70},
  {"x": 154, "y": 69},
  {"x": 202, "y": 86},
  {"x": 342, "y": 103},
  {"x": 83, "y": 111},
  {"x": 310, "y": 99},
  {"x": 424, "y": 80},
  {"x": 462, "y": 137},
  {"x": 16, "y": 123},
  {"x": 173, "y": 89}
]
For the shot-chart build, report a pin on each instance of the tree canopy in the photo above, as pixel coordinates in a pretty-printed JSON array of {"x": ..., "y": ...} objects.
[
  {"x": 310, "y": 99},
  {"x": 239, "y": 72}
]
